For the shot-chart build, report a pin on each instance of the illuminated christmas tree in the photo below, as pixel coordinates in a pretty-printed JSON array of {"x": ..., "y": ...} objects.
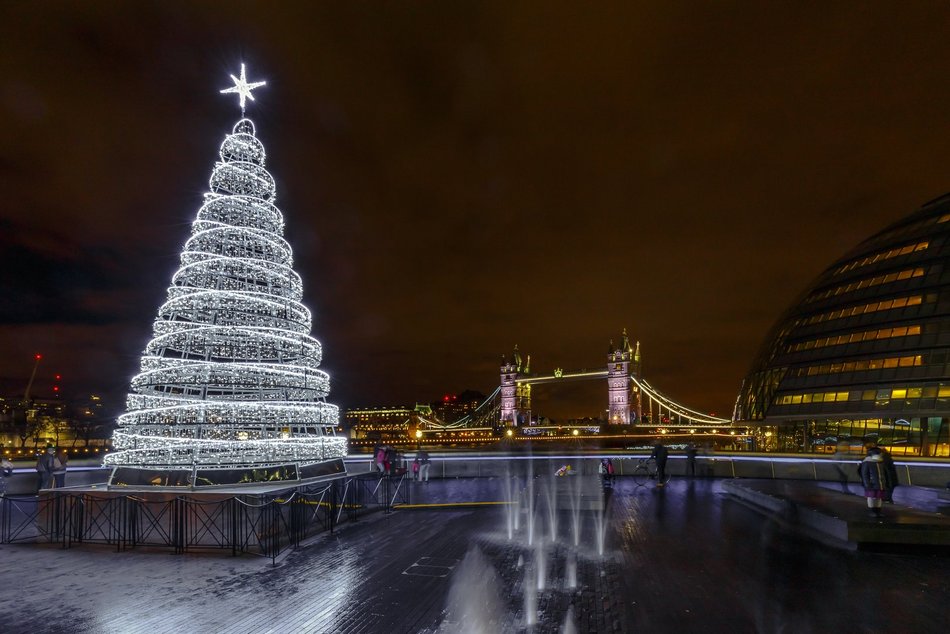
[{"x": 231, "y": 376}]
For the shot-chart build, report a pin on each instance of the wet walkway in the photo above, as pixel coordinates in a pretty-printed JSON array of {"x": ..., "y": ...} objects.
[{"x": 681, "y": 558}]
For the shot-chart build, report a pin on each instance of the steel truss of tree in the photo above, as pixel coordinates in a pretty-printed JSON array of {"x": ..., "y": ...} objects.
[{"x": 231, "y": 375}]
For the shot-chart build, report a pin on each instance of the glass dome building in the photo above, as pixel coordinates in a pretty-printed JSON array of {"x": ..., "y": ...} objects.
[{"x": 864, "y": 353}]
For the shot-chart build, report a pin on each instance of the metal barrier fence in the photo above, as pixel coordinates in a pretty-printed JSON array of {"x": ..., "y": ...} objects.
[{"x": 259, "y": 524}]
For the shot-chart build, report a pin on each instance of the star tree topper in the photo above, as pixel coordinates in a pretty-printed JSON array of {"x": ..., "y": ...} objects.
[{"x": 243, "y": 88}]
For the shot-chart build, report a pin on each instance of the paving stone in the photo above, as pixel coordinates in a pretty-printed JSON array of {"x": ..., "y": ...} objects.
[{"x": 680, "y": 559}]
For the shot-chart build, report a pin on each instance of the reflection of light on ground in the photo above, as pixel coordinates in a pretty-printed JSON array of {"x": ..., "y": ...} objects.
[
  {"x": 161, "y": 595},
  {"x": 685, "y": 544}
]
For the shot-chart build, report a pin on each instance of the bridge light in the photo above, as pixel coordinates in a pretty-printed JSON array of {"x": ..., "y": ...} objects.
[
  {"x": 418, "y": 433},
  {"x": 509, "y": 433},
  {"x": 575, "y": 432}
]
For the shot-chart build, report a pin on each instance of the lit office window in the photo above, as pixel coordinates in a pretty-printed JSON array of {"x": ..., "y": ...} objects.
[
  {"x": 856, "y": 337},
  {"x": 877, "y": 280},
  {"x": 883, "y": 255},
  {"x": 899, "y": 302}
]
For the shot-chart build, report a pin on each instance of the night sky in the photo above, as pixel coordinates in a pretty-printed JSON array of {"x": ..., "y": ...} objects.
[{"x": 459, "y": 177}]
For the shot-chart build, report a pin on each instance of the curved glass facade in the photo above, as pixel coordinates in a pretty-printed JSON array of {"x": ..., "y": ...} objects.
[{"x": 864, "y": 353}]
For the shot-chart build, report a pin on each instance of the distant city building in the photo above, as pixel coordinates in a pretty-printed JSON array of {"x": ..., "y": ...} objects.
[
  {"x": 864, "y": 354},
  {"x": 78, "y": 425},
  {"x": 384, "y": 424},
  {"x": 420, "y": 425},
  {"x": 454, "y": 407}
]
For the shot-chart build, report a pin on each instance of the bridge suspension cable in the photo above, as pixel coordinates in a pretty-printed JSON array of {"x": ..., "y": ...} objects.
[
  {"x": 484, "y": 415},
  {"x": 673, "y": 408},
  {"x": 487, "y": 412}
]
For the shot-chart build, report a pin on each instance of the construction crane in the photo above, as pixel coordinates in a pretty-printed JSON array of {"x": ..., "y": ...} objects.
[{"x": 29, "y": 385}]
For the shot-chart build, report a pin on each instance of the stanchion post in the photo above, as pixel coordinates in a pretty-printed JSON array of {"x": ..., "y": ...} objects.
[
  {"x": 234, "y": 512},
  {"x": 129, "y": 522},
  {"x": 178, "y": 525},
  {"x": 274, "y": 536}
]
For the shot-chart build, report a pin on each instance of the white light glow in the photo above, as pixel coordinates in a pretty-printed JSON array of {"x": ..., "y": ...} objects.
[
  {"x": 243, "y": 88},
  {"x": 231, "y": 375}
]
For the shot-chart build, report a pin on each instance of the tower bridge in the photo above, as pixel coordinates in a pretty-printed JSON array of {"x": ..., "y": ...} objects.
[{"x": 631, "y": 400}]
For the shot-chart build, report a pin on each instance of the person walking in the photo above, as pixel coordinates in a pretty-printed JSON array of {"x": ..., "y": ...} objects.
[
  {"x": 379, "y": 458},
  {"x": 872, "y": 477},
  {"x": 424, "y": 464},
  {"x": 660, "y": 454},
  {"x": 44, "y": 468},
  {"x": 606, "y": 470},
  {"x": 6, "y": 472},
  {"x": 890, "y": 475},
  {"x": 691, "y": 460},
  {"x": 59, "y": 468},
  {"x": 840, "y": 455},
  {"x": 415, "y": 468}
]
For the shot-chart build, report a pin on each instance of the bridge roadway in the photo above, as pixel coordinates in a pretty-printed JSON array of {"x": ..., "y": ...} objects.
[{"x": 682, "y": 558}]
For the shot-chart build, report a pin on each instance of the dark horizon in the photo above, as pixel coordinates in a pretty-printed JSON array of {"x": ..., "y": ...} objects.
[{"x": 460, "y": 178}]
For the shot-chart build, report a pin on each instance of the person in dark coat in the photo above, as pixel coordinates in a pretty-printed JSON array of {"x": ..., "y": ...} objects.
[
  {"x": 6, "y": 471},
  {"x": 660, "y": 454},
  {"x": 60, "y": 463},
  {"x": 691, "y": 460},
  {"x": 604, "y": 471},
  {"x": 44, "y": 467},
  {"x": 890, "y": 475},
  {"x": 424, "y": 463},
  {"x": 872, "y": 477}
]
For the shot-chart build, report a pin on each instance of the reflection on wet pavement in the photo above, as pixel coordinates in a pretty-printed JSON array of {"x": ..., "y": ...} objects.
[{"x": 681, "y": 558}]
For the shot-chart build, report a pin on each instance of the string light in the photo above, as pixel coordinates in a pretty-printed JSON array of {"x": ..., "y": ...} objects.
[{"x": 230, "y": 376}]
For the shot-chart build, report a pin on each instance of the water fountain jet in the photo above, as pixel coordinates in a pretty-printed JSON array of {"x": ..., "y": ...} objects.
[{"x": 474, "y": 606}]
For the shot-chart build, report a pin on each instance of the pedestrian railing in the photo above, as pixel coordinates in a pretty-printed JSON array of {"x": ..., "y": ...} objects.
[{"x": 258, "y": 524}]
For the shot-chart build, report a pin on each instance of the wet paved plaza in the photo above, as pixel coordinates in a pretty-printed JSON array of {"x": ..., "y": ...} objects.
[{"x": 682, "y": 558}]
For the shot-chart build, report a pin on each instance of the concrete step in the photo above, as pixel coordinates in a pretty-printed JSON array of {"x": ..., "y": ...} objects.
[{"x": 842, "y": 518}]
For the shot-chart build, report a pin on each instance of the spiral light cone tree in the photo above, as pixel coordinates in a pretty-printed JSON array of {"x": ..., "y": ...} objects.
[{"x": 231, "y": 377}]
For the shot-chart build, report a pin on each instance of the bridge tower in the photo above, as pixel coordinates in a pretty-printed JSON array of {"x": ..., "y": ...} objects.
[
  {"x": 619, "y": 360},
  {"x": 515, "y": 398}
]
